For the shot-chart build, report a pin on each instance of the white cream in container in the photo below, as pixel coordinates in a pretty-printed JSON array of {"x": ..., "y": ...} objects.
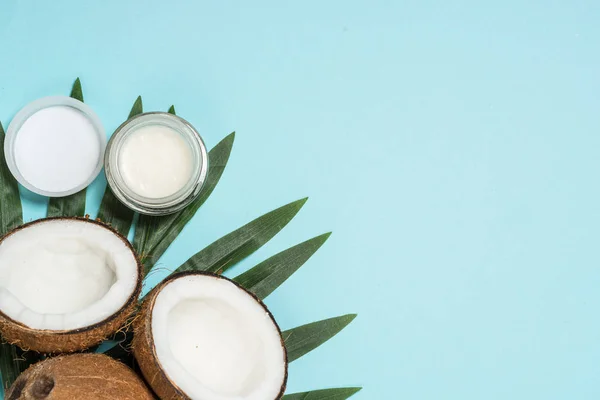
[
  {"x": 156, "y": 163},
  {"x": 55, "y": 146}
]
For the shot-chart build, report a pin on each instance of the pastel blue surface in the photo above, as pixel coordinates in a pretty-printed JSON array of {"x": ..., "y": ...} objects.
[{"x": 451, "y": 146}]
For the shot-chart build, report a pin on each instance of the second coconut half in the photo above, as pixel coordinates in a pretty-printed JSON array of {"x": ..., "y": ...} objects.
[{"x": 202, "y": 336}]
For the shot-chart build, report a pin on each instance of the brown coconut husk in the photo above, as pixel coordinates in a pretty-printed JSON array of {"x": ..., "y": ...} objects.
[
  {"x": 68, "y": 341},
  {"x": 145, "y": 352},
  {"x": 77, "y": 377}
]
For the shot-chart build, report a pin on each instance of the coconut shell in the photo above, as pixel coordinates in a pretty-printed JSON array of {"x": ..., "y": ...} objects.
[
  {"x": 68, "y": 341},
  {"x": 145, "y": 352},
  {"x": 77, "y": 377}
]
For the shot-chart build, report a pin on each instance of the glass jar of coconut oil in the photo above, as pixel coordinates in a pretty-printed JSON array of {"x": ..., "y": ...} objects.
[{"x": 156, "y": 163}]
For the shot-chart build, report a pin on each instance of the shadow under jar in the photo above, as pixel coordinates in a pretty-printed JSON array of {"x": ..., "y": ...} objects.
[{"x": 156, "y": 163}]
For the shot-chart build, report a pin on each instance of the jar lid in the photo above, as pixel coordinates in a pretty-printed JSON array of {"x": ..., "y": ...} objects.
[
  {"x": 55, "y": 146},
  {"x": 156, "y": 163}
]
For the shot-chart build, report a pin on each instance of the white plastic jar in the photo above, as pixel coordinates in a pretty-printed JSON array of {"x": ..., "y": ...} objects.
[{"x": 55, "y": 146}]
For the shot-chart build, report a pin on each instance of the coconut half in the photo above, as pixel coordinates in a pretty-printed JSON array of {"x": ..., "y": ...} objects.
[
  {"x": 203, "y": 337},
  {"x": 79, "y": 376},
  {"x": 65, "y": 284}
]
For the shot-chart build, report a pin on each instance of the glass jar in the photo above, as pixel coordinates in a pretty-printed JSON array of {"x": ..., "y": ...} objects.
[{"x": 153, "y": 205}]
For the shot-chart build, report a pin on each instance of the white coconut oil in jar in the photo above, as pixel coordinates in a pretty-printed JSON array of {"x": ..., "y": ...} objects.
[
  {"x": 156, "y": 163},
  {"x": 55, "y": 146}
]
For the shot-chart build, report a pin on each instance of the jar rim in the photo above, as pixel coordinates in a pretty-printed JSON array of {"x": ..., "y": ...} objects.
[{"x": 164, "y": 205}]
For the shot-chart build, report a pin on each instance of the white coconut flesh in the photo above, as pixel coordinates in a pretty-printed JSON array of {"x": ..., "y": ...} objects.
[
  {"x": 65, "y": 274},
  {"x": 216, "y": 342}
]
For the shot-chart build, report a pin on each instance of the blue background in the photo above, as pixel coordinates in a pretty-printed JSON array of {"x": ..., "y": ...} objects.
[{"x": 451, "y": 146}]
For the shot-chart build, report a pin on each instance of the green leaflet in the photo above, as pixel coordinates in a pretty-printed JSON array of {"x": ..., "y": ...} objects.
[
  {"x": 11, "y": 212},
  {"x": 267, "y": 276},
  {"x": 153, "y": 235},
  {"x": 304, "y": 339},
  {"x": 172, "y": 110},
  {"x": 10, "y": 367},
  {"x": 11, "y": 216},
  {"x": 237, "y": 245},
  {"x": 76, "y": 91},
  {"x": 112, "y": 211},
  {"x": 326, "y": 394},
  {"x": 138, "y": 108},
  {"x": 73, "y": 205},
  {"x": 13, "y": 361}
]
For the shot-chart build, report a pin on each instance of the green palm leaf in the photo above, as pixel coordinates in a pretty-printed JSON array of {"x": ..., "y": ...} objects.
[
  {"x": 12, "y": 362},
  {"x": 155, "y": 234},
  {"x": 267, "y": 276},
  {"x": 112, "y": 211},
  {"x": 304, "y": 339},
  {"x": 73, "y": 205},
  {"x": 237, "y": 245},
  {"x": 326, "y": 394}
]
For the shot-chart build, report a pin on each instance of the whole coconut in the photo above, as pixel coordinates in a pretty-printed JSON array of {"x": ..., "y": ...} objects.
[{"x": 79, "y": 376}]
